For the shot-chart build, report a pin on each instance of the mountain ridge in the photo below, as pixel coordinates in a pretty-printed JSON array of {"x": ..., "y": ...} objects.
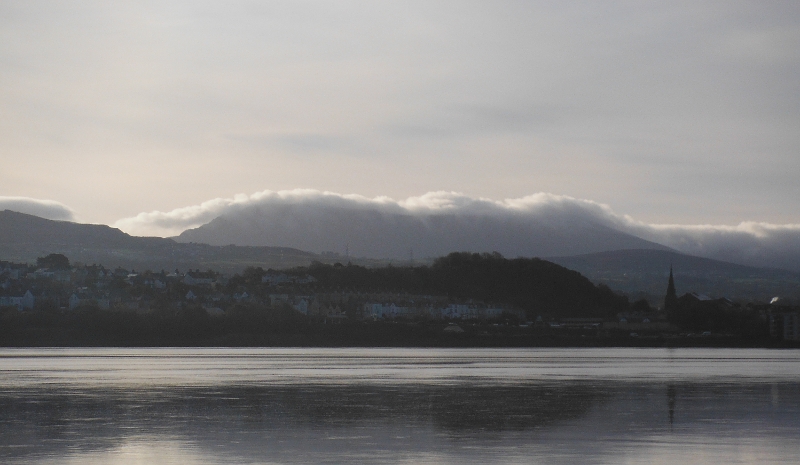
[
  {"x": 381, "y": 235},
  {"x": 25, "y": 237},
  {"x": 645, "y": 271}
]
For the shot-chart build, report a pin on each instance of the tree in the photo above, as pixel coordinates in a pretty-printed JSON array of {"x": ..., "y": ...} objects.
[{"x": 54, "y": 261}]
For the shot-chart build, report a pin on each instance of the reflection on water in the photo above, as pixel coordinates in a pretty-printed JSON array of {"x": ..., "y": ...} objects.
[{"x": 66, "y": 406}]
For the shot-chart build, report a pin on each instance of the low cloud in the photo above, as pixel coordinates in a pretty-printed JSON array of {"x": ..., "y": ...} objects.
[
  {"x": 49, "y": 209},
  {"x": 174, "y": 222},
  {"x": 749, "y": 243},
  {"x": 317, "y": 221}
]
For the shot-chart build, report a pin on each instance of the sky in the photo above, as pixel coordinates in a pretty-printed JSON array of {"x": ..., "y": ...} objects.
[{"x": 672, "y": 113}]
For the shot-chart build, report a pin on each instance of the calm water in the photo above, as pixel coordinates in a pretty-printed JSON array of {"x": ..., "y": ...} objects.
[{"x": 266, "y": 406}]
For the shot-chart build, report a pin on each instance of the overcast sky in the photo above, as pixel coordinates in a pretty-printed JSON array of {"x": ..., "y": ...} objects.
[{"x": 671, "y": 112}]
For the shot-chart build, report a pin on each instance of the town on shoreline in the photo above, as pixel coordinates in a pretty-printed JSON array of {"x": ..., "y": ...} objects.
[{"x": 461, "y": 300}]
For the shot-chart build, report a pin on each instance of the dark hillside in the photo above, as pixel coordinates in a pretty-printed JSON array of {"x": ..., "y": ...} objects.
[
  {"x": 384, "y": 235},
  {"x": 20, "y": 228},
  {"x": 23, "y": 238},
  {"x": 538, "y": 286}
]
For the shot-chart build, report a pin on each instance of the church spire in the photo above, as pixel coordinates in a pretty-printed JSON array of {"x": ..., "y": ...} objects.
[{"x": 671, "y": 299}]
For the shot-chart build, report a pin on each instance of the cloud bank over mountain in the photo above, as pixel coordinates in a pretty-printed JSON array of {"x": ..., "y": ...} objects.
[
  {"x": 48, "y": 209},
  {"x": 748, "y": 243},
  {"x": 176, "y": 221},
  {"x": 439, "y": 222}
]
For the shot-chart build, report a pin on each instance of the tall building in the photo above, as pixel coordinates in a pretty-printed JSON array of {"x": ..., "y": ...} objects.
[{"x": 671, "y": 299}]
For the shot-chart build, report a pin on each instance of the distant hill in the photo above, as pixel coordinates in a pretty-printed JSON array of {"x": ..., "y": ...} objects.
[
  {"x": 24, "y": 237},
  {"x": 376, "y": 234},
  {"x": 535, "y": 285},
  {"x": 646, "y": 271}
]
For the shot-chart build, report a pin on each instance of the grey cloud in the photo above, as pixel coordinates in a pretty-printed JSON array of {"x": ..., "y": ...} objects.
[
  {"x": 178, "y": 220},
  {"x": 440, "y": 222},
  {"x": 49, "y": 209},
  {"x": 620, "y": 101},
  {"x": 750, "y": 243}
]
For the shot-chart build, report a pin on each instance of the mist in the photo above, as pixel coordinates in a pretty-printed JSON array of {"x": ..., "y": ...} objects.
[
  {"x": 440, "y": 222},
  {"x": 48, "y": 209}
]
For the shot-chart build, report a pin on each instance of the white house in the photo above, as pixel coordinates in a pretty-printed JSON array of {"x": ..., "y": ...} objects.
[
  {"x": 377, "y": 311},
  {"x": 27, "y": 300}
]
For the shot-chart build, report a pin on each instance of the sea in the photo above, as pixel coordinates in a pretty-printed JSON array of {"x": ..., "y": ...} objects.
[{"x": 399, "y": 406}]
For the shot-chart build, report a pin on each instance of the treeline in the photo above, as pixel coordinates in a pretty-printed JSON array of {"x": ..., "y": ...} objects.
[{"x": 537, "y": 286}]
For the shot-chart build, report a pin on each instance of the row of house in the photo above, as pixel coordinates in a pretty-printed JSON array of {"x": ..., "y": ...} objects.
[
  {"x": 452, "y": 311},
  {"x": 25, "y": 301},
  {"x": 23, "y": 286},
  {"x": 96, "y": 286}
]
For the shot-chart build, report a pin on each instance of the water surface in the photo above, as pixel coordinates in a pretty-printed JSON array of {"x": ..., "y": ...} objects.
[{"x": 266, "y": 406}]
